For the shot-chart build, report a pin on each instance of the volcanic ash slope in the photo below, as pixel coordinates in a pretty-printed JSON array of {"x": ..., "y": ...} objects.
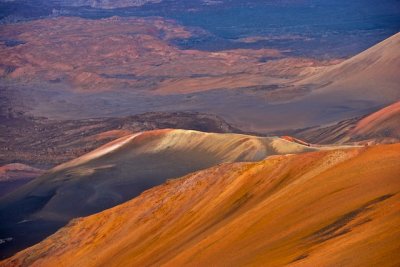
[
  {"x": 372, "y": 75},
  {"x": 126, "y": 167},
  {"x": 327, "y": 208},
  {"x": 382, "y": 126}
]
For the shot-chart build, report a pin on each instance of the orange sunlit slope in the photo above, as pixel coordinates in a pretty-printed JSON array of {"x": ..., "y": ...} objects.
[{"x": 327, "y": 208}]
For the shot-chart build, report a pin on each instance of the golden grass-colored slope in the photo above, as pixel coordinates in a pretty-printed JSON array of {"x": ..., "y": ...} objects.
[
  {"x": 328, "y": 208},
  {"x": 119, "y": 171}
]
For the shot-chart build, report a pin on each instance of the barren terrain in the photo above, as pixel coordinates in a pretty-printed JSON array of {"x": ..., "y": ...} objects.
[
  {"x": 119, "y": 171},
  {"x": 45, "y": 143},
  {"x": 69, "y": 68},
  {"x": 125, "y": 53},
  {"x": 379, "y": 127},
  {"x": 199, "y": 133},
  {"x": 331, "y": 208}
]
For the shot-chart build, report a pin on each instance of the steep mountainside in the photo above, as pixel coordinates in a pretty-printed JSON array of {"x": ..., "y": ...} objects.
[
  {"x": 353, "y": 88},
  {"x": 370, "y": 75},
  {"x": 121, "y": 170},
  {"x": 331, "y": 208}
]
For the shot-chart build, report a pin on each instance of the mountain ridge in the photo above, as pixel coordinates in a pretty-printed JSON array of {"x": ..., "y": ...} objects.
[
  {"x": 317, "y": 209},
  {"x": 121, "y": 170}
]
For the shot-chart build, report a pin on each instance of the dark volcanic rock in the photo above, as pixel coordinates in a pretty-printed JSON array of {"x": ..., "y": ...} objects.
[{"x": 45, "y": 143}]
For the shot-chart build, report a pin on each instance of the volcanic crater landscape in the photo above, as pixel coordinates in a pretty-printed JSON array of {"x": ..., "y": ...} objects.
[{"x": 199, "y": 133}]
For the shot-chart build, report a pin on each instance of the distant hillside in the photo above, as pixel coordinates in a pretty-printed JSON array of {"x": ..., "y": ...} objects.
[
  {"x": 326, "y": 95},
  {"x": 372, "y": 75},
  {"x": 382, "y": 126},
  {"x": 45, "y": 143},
  {"x": 106, "y": 4}
]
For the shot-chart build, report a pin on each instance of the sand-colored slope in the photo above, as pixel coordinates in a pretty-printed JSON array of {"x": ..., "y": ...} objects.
[
  {"x": 354, "y": 88},
  {"x": 330, "y": 208},
  {"x": 120, "y": 171},
  {"x": 382, "y": 126},
  {"x": 372, "y": 74},
  {"x": 385, "y": 123},
  {"x": 47, "y": 143}
]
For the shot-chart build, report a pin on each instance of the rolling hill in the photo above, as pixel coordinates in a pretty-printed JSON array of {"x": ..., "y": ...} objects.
[
  {"x": 45, "y": 143},
  {"x": 119, "y": 171},
  {"x": 328, "y": 208}
]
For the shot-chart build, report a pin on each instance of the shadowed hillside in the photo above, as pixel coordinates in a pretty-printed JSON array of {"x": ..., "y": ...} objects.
[
  {"x": 15, "y": 175},
  {"x": 331, "y": 208},
  {"x": 119, "y": 171}
]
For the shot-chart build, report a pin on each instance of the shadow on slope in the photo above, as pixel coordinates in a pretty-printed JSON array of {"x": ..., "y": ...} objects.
[
  {"x": 313, "y": 209},
  {"x": 118, "y": 172}
]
